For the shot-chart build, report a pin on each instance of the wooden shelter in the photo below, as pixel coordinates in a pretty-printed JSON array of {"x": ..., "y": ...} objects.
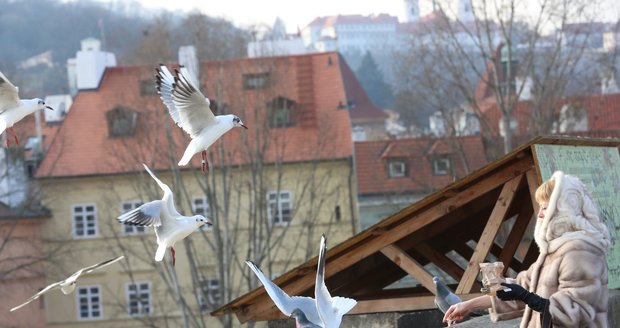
[{"x": 453, "y": 230}]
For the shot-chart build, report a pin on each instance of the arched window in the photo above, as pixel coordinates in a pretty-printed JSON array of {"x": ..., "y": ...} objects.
[{"x": 121, "y": 122}]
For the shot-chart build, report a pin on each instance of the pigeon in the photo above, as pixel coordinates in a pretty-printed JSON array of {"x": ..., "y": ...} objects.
[
  {"x": 67, "y": 286},
  {"x": 330, "y": 309},
  {"x": 13, "y": 109},
  {"x": 444, "y": 298},
  {"x": 170, "y": 226},
  {"x": 189, "y": 109},
  {"x": 285, "y": 303},
  {"x": 301, "y": 321}
]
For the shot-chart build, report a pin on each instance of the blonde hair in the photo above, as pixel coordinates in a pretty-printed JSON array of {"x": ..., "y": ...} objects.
[{"x": 543, "y": 193}]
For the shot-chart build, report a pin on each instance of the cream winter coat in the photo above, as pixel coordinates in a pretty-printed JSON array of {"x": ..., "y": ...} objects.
[{"x": 571, "y": 270}]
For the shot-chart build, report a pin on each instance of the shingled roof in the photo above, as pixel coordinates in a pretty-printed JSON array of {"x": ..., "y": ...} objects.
[
  {"x": 315, "y": 84},
  {"x": 463, "y": 218}
]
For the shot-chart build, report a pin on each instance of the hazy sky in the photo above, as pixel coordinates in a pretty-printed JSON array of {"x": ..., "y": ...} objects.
[{"x": 293, "y": 12}]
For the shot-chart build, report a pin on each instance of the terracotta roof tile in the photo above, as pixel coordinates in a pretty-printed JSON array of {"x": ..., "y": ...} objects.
[
  {"x": 83, "y": 146},
  {"x": 363, "y": 107},
  {"x": 371, "y": 158}
]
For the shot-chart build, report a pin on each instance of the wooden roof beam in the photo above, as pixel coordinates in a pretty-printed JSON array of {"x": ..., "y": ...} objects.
[
  {"x": 498, "y": 215},
  {"x": 409, "y": 265}
]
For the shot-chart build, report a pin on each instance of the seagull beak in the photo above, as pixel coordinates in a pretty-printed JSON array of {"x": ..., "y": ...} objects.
[
  {"x": 245, "y": 127},
  {"x": 48, "y": 107}
]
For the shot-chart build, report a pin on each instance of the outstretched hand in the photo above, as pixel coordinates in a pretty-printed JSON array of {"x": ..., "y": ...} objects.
[{"x": 456, "y": 312}]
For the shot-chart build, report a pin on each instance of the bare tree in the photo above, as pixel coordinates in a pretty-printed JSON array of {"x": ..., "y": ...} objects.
[{"x": 504, "y": 55}]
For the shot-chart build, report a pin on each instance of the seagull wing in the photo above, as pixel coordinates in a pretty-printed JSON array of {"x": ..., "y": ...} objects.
[
  {"x": 167, "y": 200},
  {"x": 8, "y": 94},
  {"x": 285, "y": 303},
  {"x": 37, "y": 295},
  {"x": 165, "y": 82},
  {"x": 100, "y": 265},
  {"x": 191, "y": 104},
  {"x": 146, "y": 215}
]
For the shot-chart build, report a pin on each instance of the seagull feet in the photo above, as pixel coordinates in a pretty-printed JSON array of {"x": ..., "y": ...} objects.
[
  {"x": 173, "y": 256},
  {"x": 14, "y": 136},
  {"x": 205, "y": 163}
]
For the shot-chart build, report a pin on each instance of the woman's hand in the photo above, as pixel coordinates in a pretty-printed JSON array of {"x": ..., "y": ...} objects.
[{"x": 457, "y": 312}]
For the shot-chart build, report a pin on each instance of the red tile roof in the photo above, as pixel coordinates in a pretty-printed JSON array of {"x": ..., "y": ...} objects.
[
  {"x": 371, "y": 158},
  {"x": 603, "y": 112},
  {"x": 314, "y": 82}
]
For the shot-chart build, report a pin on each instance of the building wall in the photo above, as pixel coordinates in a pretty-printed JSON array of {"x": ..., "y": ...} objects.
[{"x": 107, "y": 193}]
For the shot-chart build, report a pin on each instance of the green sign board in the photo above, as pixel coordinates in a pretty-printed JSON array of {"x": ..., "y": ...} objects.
[{"x": 599, "y": 169}]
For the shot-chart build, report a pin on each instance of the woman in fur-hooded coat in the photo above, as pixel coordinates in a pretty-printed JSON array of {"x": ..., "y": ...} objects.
[{"x": 571, "y": 270}]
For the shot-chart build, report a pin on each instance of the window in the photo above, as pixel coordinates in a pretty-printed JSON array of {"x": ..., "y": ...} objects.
[
  {"x": 200, "y": 206},
  {"x": 89, "y": 302},
  {"x": 130, "y": 229},
  {"x": 255, "y": 81},
  {"x": 442, "y": 165},
  {"x": 121, "y": 122},
  {"x": 396, "y": 168},
  {"x": 279, "y": 207},
  {"x": 84, "y": 221},
  {"x": 139, "y": 299},
  {"x": 280, "y": 112},
  {"x": 209, "y": 296},
  {"x": 147, "y": 88},
  {"x": 359, "y": 133}
]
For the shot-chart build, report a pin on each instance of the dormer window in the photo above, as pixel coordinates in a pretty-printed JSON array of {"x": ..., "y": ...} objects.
[
  {"x": 255, "y": 81},
  {"x": 147, "y": 88},
  {"x": 280, "y": 112},
  {"x": 442, "y": 165},
  {"x": 397, "y": 168},
  {"x": 121, "y": 122}
]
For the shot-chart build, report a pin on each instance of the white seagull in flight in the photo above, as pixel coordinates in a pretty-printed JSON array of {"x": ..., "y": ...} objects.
[
  {"x": 170, "y": 226},
  {"x": 13, "y": 109},
  {"x": 67, "y": 286},
  {"x": 190, "y": 110},
  {"x": 330, "y": 309},
  {"x": 285, "y": 303}
]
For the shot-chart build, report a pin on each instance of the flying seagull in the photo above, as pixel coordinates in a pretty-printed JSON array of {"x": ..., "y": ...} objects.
[
  {"x": 13, "y": 109},
  {"x": 301, "y": 321},
  {"x": 330, "y": 309},
  {"x": 285, "y": 303},
  {"x": 67, "y": 286},
  {"x": 189, "y": 109},
  {"x": 170, "y": 226}
]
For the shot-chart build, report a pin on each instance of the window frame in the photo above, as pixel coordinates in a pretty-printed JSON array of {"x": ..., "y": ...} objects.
[
  {"x": 73, "y": 221},
  {"x": 445, "y": 159},
  {"x": 278, "y": 202},
  {"x": 204, "y": 294},
  {"x": 89, "y": 303},
  {"x": 137, "y": 292},
  {"x": 390, "y": 168},
  {"x": 256, "y": 81}
]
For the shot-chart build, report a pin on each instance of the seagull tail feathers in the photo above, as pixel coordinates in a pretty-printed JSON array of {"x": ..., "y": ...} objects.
[
  {"x": 2, "y": 125},
  {"x": 187, "y": 156}
]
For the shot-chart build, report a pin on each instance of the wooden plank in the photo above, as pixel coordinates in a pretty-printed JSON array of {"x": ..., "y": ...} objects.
[
  {"x": 346, "y": 254},
  {"x": 516, "y": 235},
  {"x": 409, "y": 265},
  {"x": 498, "y": 215},
  {"x": 413, "y": 303},
  {"x": 533, "y": 181},
  {"x": 441, "y": 261}
]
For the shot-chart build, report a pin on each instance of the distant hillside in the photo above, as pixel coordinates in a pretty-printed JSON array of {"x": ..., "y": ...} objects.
[{"x": 33, "y": 27}]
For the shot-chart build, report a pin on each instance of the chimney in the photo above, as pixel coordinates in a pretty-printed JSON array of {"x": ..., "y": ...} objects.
[{"x": 86, "y": 69}]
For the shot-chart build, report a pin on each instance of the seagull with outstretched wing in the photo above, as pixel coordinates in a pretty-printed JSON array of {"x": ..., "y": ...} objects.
[
  {"x": 331, "y": 309},
  {"x": 285, "y": 303},
  {"x": 13, "y": 109},
  {"x": 189, "y": 109},
  {"x": 170, "y": 225},
  {"x": 67, "y": 286}
]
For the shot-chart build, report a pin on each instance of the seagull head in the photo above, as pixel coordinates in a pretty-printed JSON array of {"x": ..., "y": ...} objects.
[
  {"x": 41, "y": 104},
  {"x": 201, "y": 220},
  {"x": 238, "y": 123}
]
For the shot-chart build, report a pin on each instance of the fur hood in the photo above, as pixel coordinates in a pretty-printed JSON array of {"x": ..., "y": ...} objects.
[{"x": 571, "y": 214}]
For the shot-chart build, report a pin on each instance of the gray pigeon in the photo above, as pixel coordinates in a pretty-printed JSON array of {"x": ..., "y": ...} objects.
[
  {"x": 444, "y": 297},
  {"x": 301, "y": 321}
]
